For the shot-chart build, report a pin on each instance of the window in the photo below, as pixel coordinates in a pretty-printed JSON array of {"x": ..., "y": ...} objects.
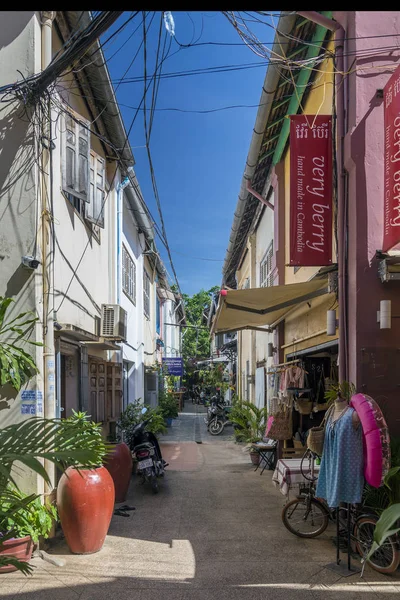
[
  {"x": 95, "y": 206},
  {"x": 266, "y": 276},
  {"x": 158, "y": 315},
  {"x": 146, "y": 293},
  {"x": 128, "y": 275},
  {"x": 83, "y": 171}
]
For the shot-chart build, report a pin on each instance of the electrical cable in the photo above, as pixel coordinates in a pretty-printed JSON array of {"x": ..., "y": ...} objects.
[{"x": 104, "y": 200}]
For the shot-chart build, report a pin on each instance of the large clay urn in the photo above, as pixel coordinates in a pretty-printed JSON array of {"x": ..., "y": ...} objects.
[
  {"x": 119, "y": 464},
  {"x": 85, "y": 503}
]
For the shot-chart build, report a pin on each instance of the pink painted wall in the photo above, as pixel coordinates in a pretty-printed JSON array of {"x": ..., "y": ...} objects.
[{"x": 374, "y": 358}]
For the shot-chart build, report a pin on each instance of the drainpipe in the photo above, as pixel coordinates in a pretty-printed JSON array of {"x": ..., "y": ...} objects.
[
  {"x": 258, "y": 196},
  {"x": 49, "y": 382},
  {"x": 342, "y": 221}
]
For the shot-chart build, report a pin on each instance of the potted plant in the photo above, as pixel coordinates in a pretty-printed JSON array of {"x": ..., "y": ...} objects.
[
  {"x": 23, "y": 520},
  {"x": 86, "y": 493},
  {"x": 132, "y": 416},
  {"x": 168, "y": 407},
  {"x": 250, "y": 422}
]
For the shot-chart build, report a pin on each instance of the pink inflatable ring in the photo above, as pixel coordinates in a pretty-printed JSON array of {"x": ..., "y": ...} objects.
[{"x": 375, "y": 439}]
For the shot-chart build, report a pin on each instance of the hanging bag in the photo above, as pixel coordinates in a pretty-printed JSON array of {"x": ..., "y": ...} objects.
[
  {"x": 316, "y": 435},
  {"x": 281, "y": 426}
]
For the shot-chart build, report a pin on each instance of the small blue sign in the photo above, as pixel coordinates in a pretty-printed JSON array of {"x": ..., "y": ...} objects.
[{"x": 174, "y": 366}]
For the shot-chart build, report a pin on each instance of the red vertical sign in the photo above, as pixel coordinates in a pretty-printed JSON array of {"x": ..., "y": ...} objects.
[
  {"x": 391, "y": 96},
  {"x": 310, "y": 190}
]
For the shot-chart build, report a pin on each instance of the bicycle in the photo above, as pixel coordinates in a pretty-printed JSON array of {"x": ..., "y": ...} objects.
[{"x": 308, "y": 517}]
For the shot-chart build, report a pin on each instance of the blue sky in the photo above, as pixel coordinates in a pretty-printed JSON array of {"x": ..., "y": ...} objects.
[{"x": 198, "y": 159}]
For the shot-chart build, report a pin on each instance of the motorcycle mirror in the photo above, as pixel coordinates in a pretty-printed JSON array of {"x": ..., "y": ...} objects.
[{"x": 144, "y": 410}]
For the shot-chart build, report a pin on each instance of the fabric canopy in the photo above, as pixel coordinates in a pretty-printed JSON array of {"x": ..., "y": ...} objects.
[{"x": 257, "y": 307}]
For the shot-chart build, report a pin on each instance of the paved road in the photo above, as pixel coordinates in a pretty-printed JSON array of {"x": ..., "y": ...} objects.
[
  {"x": 213, "y": 532},
  {"x": 190, "y": 427}
]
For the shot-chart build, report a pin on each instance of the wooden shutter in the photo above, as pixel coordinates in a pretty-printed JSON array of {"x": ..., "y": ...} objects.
[
  {"x": 114, "y": 391},
  {"x": 75, "y": 154},
  {"x": 95, "y": 207},
  {"x": 97, "y": 384}
]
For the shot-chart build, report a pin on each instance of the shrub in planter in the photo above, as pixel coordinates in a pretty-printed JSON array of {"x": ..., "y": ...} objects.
[
  {"x": 132, "y": 415},
  {"x": 168, "y": 406},
  {"x": 23, "y": 520}
]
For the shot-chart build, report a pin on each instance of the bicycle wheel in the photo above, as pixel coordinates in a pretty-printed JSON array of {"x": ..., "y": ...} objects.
[
  {"x": 387, "y": 558},
  {"x": 305, "y": 517}
]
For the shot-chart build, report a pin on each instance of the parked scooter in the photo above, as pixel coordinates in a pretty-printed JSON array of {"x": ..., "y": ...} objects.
[
  {"x": 217, "y": 416},
  {"x": 145, "y": 447}
]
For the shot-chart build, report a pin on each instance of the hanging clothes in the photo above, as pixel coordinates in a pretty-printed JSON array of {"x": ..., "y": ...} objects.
[
  {"x": 341, "y": 475},
  {"x": 294, "y": 377}
]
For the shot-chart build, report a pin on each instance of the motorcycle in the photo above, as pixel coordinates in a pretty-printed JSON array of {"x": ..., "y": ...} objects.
[
  {"x": 217, "y": 417},
  {"x": 144, "y": 446}
]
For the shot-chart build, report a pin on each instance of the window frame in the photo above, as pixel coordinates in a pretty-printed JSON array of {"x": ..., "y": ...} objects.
[
  {"x": 266, "y": 271},
  {"x": 127, "y": 277}
]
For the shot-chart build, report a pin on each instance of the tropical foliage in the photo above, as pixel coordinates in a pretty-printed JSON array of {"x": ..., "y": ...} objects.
[
  {"x": 64, "y": 443},
  {"x": 250, "y": 421},
  {"x": 386, "y": 526},
  {"x": 196, "y": 342},
  {"x": 16, "y": 364},
  {"x": 35, "y": 520},
  {"x": 344, "y": 389}
]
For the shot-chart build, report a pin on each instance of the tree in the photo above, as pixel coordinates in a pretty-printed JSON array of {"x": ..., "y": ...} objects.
[{"x": 196, "y": 342}]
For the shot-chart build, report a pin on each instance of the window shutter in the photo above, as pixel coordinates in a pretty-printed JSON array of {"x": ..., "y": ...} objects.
[
  {"x": 95, "y": 209},
  {"x": 75, "y": 156}
]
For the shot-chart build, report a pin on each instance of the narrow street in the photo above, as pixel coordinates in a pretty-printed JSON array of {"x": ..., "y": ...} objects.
[{"x": 213, "y": 532}]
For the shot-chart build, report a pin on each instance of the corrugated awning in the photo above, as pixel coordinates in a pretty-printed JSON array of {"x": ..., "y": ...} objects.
[{"x": 257, "y": 307}]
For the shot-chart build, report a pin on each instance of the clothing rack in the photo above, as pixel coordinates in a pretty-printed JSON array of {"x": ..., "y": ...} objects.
[{"x": 284, "y": 364}]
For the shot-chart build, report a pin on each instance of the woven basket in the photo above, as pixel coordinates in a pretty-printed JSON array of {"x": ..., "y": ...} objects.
[
  {"x": 315, "y": 439},
  {"x": 297, "y": 443},
  {"x": 304, "y": 406}
]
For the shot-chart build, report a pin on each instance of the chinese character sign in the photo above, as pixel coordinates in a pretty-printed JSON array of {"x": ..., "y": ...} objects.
[
  {"x": 391, "y": 98},
  {"x": 310, "y": 190}
]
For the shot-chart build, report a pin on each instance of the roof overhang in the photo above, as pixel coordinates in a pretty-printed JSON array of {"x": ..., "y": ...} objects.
[{"x": 254, "y": 308}]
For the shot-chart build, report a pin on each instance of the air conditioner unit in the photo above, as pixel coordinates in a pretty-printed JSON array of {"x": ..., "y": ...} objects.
[{"x": 113, "y": 322}]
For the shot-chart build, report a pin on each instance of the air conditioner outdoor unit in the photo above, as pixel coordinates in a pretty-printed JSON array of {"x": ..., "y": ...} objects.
[{"x": 113, "y": 321}]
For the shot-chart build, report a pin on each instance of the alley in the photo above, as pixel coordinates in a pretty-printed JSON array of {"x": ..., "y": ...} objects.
[{"x": 212, "y": 532}]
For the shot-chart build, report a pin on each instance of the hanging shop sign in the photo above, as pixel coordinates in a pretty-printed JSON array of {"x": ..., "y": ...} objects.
[
  {"x": 174, "y": 366},
  {"x": 310, "y": 190},
  {"x": 391, "y": 99}
]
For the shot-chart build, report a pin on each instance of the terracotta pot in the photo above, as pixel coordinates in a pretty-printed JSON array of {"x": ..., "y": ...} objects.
[
  {"x": 20, "y": 548},
  {"x": 255, "y": 458},
  {"x": 119, "y": 465},
  {"x": 85, "y": 503}
]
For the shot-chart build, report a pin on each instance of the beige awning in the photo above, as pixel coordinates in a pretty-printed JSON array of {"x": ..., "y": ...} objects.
[{"x": 257, "y": 307}]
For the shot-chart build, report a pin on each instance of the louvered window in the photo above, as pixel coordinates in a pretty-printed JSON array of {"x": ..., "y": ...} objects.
[
  {"x": 266, "y": 276},
  {"x": 128, "y": 275}
]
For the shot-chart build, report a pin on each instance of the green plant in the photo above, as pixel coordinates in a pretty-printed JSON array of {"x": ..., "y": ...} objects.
[
  {"x": 16, "y": 365},
  {"x": 90, "y": 435},
  {"x": 344, "y": 389},
  {"x": 386, "y": 526},
  {"x": 167, "y": 405},
  {"x": 132, "y": 416},
  {"x": 29, "y": 442},
  {"x": 35, "y": 519},
  {"x": 250, "y": 421}
]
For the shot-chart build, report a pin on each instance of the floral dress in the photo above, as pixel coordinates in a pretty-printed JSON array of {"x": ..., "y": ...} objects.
[{"x": 341, "y": 475}]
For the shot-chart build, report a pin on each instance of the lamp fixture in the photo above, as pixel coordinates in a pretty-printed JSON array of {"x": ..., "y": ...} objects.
[
  {"x": 271, "y": 350},
  {"x": 331, "y": 322}
]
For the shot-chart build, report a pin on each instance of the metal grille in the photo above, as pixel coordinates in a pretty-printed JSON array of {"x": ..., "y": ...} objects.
[{"x": 108, "y": 321}]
